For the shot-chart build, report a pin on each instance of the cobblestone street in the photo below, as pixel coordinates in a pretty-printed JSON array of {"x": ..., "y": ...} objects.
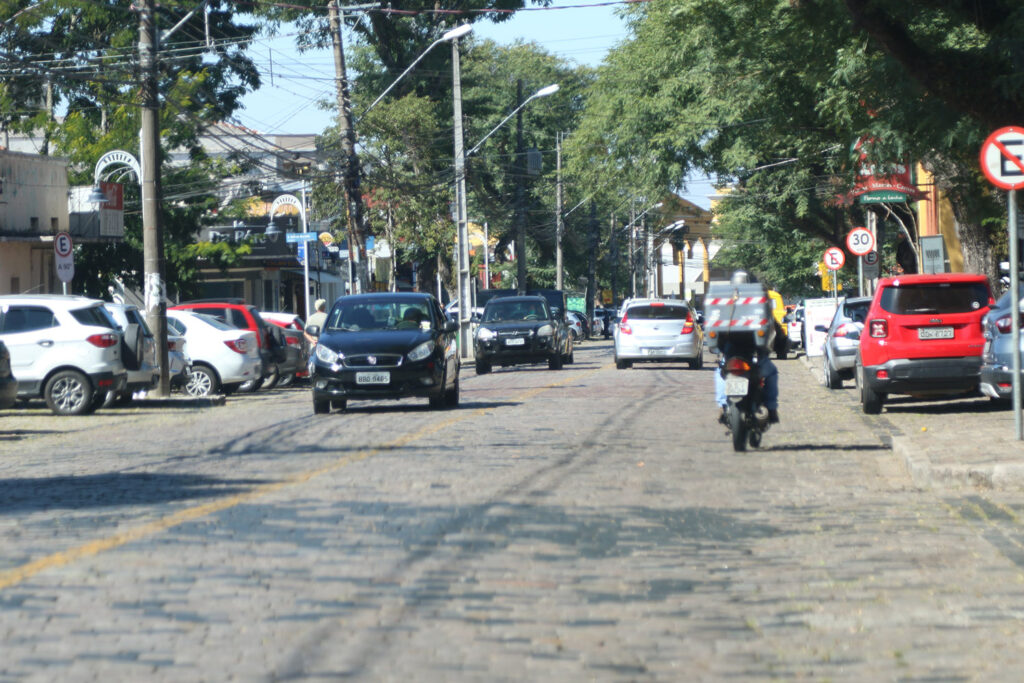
[{"x": 589, "y": 523}]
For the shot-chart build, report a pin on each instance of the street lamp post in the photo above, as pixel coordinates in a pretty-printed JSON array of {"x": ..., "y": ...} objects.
[
  {"x": 292, "y": 200},
  {"x": 465, "y": 343}
]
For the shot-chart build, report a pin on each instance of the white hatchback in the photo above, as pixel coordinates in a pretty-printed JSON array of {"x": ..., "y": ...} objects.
[
  {"x": 658, "y": 330},
  {"x": 64, "y": 349},
  {"x": 223, "y": 357}
]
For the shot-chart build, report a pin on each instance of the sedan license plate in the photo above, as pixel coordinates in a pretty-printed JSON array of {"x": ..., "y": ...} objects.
[
  {"x": 373, "y": 378},
  {"x": 515, "y": 341},
  {"x": 935, "y": 333},
  {"x": 736, "y": 386}
]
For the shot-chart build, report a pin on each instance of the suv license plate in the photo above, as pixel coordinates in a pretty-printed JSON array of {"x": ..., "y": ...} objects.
[
  {"x": 736, "y": 386},
  {"x": 373, "y": 378},
  {"x": 515, "y": 341},
  {"x": 935, "y": 333}
]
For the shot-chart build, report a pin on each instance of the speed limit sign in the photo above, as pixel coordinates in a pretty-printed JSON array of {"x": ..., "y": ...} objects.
[
  {"x": 834, "y": 258},
  {"x": 860, "y": 241}
]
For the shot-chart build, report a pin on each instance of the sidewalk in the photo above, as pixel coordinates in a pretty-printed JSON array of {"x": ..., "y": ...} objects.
[{"x": 963, "y": 443}]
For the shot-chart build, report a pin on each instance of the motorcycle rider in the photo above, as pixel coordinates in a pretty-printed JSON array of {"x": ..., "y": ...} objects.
[{"x": 766, "y": 369}]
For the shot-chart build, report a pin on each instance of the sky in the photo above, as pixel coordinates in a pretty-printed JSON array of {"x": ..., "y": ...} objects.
[{"x": 294, "y": 82}]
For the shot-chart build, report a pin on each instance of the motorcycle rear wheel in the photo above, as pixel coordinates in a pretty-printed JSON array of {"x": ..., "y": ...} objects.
[{"x": 738, "y": 427}]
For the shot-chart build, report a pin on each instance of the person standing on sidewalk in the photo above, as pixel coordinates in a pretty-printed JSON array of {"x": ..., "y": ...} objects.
[{"x": 318, "y": 318}]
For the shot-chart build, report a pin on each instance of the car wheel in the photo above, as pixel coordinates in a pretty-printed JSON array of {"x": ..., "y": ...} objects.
[
  {"x": 698, "y": 362},
  {"x": 622, "y": 364},
  {"x": 321, "y": 407},
  {"x": 555, "y": 362},
  {"x": 286, "y": 380},
  {"x": 482, "y": 367},
  {"x": 202, "y": 382},
  {"x": 570, "y": 359},
  {"x": 451, "y": 397},
  {"x": 870, "y": 400},
  {"x": 339, "y": 404},
  {"x": 251, "y": 385},
  {"x": 832, "y": 378},
  {"x": 69, "y": 393},
  {"x": 271, "y": 380}
]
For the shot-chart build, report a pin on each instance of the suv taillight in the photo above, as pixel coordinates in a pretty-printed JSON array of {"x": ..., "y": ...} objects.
[
  {"x": 879, "y": 328},
  {"x": 103, "y": 341},
  {"x": 238, "y": 345},
  {"x": 1005, "y": 324}
]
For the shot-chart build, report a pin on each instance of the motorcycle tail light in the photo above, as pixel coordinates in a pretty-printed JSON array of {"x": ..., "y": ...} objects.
[
  {"x": 879, "y": 328},
  {"x": 737, "y": 366}
]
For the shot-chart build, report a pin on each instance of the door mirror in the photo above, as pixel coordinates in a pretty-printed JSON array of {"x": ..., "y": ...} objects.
[
  {"x": 821, "y": 328},
  {"x": 450, "y": 326},
  {"x": 313, "y": 330}
]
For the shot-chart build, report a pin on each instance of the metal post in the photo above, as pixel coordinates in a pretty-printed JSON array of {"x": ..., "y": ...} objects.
[
  {"x": 1015, "y": 311},
  {"x": 559, "y": 227},
  {"x": 305, "y": 251},
  {"x": 487, "y": 258},
  {"x": 632, "y": 250},
  {"x": 465, "y": 305},
  {"x": 648, "y": 258},
  {"x": 520, "y": 195}
]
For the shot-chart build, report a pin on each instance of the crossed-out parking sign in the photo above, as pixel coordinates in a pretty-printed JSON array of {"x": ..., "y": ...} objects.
[{"x": 1002, "y": 158}]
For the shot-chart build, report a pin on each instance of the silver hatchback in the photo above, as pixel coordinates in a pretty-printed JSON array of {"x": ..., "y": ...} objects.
[
  {"x": 842, "y": 340},
  {"x": 659, "y": 331}
]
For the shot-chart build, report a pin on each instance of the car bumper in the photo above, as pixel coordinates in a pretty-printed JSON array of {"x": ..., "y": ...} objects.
[
  {"x": 936, "y": 376},
  {"x": 844, "y": 359},
  {"x": 657, "y": 350},
  {"x": 496, "y": 353},
  {"x": 996, "y": 381},
  {"x": 424, "y": 379}
]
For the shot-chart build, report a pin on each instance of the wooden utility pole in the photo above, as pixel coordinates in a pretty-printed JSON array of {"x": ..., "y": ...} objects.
[
  {"x": 355, "y": 227},
  {"x": 152, "y": 234}
]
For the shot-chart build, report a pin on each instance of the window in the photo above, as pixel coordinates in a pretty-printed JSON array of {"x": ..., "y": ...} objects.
[
  {"x": 95, "y": 316},
  {"x": 657, "y": 312},
  {"x": 27, "y": 319},
  {"x": 176, "y": 326},
  {"x": 945, "y": 297}
]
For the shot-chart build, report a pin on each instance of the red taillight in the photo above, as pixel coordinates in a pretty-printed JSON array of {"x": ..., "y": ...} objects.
[
  {"x": 294, "y": 342},
  {"x": 737, "y": 366},
  {"x": 172, "y": 345},
  {"x": 103, "y": 341},
  {"x": 238, "y": 345},
  {"x": 879, "y": 328},
  {"x": 882, "y": 374},
  {"x": 1005, "y": 324},
  {"x": 844, "y": 330},
  {"x": 688, "y": 325},
  {"x": 655, "y": 304},
  {"x": 624, "y": 327}
]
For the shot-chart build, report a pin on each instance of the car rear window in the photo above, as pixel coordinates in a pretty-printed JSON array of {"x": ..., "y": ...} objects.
[
  {"x": 940, "y": 297},
  {"x": 657, "y": 312},
  {"x": 97, "y": 316},
  {"x": 856, "y": 311}
]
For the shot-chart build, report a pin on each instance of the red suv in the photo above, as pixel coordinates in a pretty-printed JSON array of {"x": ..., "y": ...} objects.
[{"x": 922, "y": 336}]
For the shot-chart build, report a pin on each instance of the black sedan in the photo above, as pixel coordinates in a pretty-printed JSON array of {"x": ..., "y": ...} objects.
[
  {"x": 385, "y": 346},
  {"x": 520, "y": 329}
]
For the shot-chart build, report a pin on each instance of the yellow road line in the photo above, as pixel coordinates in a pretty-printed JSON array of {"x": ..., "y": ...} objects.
[{"x": 16, "y": 575}]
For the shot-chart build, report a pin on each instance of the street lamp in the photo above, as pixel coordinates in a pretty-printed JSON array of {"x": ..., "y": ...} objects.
[
  {"x": 292, "y": 200},
  {"x": 465, "y": 343}
]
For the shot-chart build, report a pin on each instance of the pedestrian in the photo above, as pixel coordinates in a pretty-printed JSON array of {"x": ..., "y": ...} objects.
[{"x": 319, "y": 318}]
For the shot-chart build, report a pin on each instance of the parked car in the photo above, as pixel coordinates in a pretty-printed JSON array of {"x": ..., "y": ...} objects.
[
  {"x": 138, "y": 349},
  {"x": 222, "y": 357},
  {"x": 295, "y": 342},
  {"x": 608, "y": 318},
  {"x": 922, "y": 336},
  {"x": 519, "y": 330},
  {"x": 8, "y": 384},
  {"x": 64, "y": 349},
  {"x": 996, "y": 379},
  {"x": 795, "y": 326},
  {"x": 385, "y": 346},
  {"x": 289, "y": 355},
  {"x": 658, "y": 330},
  {"x": 842, "y": 339},
  {"x": 577, "y": 328},
  {"x": 240, "y": 315}
]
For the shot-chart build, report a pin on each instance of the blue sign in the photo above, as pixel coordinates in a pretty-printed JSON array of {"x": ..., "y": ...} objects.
[
  {"x": 301, "y": 253},
  {"x": 300, "y": 236}
]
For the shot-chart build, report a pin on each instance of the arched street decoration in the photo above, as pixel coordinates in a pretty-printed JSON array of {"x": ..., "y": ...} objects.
[{"x": 116, "y": 158}]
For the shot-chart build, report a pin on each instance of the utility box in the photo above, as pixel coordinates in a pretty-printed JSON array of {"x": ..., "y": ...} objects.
[{"x": 732, "y": 311}]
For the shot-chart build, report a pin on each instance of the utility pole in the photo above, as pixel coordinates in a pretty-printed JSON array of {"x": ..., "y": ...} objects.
[
  {"x": 347, "y": 133},
  {"x": 559, "y": 227},
  {"x": 632, "y": 250},
  {"x": 592, "y": 264},
  {"x": 152, "y": 234},
  {"x": 462, "y": 249},
  {"x": 614, "y": 249},
  {"x": 648, "y": 255},
  {"x": 520, "y": 196}
]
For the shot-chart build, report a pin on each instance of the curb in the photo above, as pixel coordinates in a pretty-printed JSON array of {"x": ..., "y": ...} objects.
[{"x": 162, "y": 402}]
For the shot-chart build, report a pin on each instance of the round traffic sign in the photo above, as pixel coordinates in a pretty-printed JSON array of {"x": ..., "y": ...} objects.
[
  {"x": 860, "y": 241},
  {"x": 871, "y": 258},
  {"x": 834, "y": 258},
  {"x": 1002, "y": 158},
  {"x": 62, "y": 244}
]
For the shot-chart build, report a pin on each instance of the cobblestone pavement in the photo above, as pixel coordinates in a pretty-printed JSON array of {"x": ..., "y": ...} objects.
[{"x": 582, "y": 524}]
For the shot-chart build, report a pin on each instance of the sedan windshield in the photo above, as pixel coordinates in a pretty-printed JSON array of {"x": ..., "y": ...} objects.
[
  {"x": 515, "y": 310},
  {"x": 362, "y": 316}
]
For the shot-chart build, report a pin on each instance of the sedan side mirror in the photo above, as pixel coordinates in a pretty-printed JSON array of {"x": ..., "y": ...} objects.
[
  {"x": 313, "y": 330},
  {"x": 450, "y": 326}
]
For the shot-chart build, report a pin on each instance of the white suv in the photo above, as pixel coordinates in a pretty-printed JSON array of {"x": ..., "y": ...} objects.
[{"x": 65, "y": 349}]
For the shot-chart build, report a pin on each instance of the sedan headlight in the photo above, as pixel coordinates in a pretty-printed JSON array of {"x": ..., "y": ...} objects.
[
  {"x": 485, "y": 334},
  {"x": 327, "y": 355},
  {"x": 545, "y": 331},
  {"x": 422, "y": 351}
]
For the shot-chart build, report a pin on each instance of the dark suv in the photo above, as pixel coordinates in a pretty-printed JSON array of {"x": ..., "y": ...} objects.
[
  {"x": 922, "y": 336},
  {"x": 520, "y": 329}
]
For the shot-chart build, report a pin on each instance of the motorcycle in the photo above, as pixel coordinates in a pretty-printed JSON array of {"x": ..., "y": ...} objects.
[{"x": 747, "y": 416}]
